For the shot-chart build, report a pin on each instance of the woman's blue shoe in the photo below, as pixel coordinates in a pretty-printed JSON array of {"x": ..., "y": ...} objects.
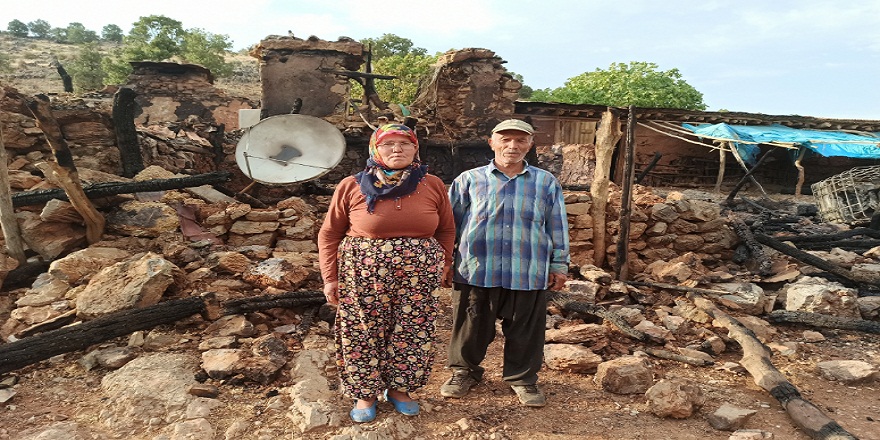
[
  {"x": 410, "y": 408},
  {"x": 365, "y": 414}
]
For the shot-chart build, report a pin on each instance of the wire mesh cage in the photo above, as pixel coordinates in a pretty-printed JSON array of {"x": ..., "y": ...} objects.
[{"x": 850, "y": 197}]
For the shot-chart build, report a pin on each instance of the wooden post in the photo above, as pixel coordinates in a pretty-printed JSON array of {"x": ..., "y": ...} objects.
[
  {"x": 621, "y": 268},
  {"x": 126, "y": 134},
  {"x": 607, "y": 136},
  {"x": 742, "y": 163},
  {"x": 722, "y": 162},
  {"x": 64, "y": 168},
  {"x": 800, "y": 168},
  {"x": 11, "y": 232}
]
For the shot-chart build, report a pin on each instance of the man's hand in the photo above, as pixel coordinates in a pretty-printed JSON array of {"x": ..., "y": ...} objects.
[
  {"x": 446, "y": 278},
  {"x": 331, "y": 292},
  {"x": 557, "y": 281}
]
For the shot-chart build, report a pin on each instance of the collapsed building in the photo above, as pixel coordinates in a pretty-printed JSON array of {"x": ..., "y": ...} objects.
[{"x": 235, "y": 237}]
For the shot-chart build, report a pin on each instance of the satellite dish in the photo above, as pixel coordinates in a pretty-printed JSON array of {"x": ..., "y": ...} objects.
[{"x": 289, "y": 148}]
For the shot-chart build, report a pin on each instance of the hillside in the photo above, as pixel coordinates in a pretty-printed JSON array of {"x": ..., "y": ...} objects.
[{"x": 31, "y": 71}]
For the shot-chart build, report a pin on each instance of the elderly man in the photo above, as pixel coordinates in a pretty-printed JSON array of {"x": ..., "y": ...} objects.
[{"x": 511, "y": 245}]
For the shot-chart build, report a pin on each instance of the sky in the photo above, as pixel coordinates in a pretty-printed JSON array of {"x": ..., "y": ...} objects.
[{"x": 816, "y": 58}]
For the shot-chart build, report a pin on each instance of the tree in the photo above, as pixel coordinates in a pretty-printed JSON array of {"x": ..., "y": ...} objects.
[
  {"x": 390, "y": 44},
  {"x": 525, "y": 92},
  {"x": 58, "y": 35},
  {"x": 396, "y": 56},
  {"x": 206, "y": 49},
  {"x": 78, "y": 34},
  {"x": 18, "y": 29},
  {"x": 40, "y": 28},
  {"x": 159, "y": 38},
  {"x": 112, "y": 33},
  {"x": 636, "y": 83},
  {"x": 86, "y": 68}
]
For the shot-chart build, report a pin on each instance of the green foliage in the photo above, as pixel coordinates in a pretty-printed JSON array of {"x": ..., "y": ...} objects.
[
  {"x": 159, "y": 38},
  {"x": 206, "y": 49},
  {"x": 636, "y": 83},
  {"x": 389, "y": 44},
  {"x": 153, "y": 38},
  {"x": 396, "y": 56},
  {"x": 409, "y": 70},
  {"x": 86, "y": 68},
  {"x": 40, "y": 28},
  {"x": 525, "y": 92},
  {"x": 112, "y": 33},
  {"x": 78, "y": 34},
  {"x": 58, "y": 35},
  {"x": 18, "y": 29},
  {"x": 5, "y": 62}
]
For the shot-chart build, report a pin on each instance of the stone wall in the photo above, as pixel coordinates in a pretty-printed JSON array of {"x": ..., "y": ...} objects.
[
  {"x": 470, "y": 91},
  {"x": 170, "y": 92}
]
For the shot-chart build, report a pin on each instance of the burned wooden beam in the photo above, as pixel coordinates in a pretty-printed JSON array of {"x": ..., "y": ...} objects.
[
  {"x": 815, "y": 261},
  {"x": 567, "y": 302},
  {"x": 64, "y": 169},
  {"x": 105, "y": 189},
  {"x": 824, "y": 321},
  {"x": 765, "y": 266},
  {"x": 27, "y": 351}
]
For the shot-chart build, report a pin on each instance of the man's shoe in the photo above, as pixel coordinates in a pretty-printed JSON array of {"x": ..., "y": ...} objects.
[
  {"x": 529, "y": 395},
  {"x": 458, "y": 385}
]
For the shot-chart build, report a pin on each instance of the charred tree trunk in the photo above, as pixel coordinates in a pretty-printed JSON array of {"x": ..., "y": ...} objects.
[
  {"x": 756, "y": 360},
  {"x": 78, "y": 337},
  {"x": 66, "y": 80},
  {"x": 106, "y": 189},
  {"x": 65, "y": 170},
  {"x": 607, "y": 137},
  {"x": 621, "y": 268},
  {"x": 126, "y": 134}
]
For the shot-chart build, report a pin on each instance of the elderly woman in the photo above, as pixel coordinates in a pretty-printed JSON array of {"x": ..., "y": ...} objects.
[{"x": 385, "y": 246}]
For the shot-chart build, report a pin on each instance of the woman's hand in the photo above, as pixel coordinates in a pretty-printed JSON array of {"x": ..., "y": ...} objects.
[
  {"x": 446, "y": 278},
  {"x": 331, "y": 292}
]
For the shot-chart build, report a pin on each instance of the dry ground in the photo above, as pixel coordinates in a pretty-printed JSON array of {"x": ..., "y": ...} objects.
[{"x": 577, "y": 409}]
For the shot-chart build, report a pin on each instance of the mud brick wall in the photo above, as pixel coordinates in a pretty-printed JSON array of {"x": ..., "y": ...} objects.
[{"x": 293, "y": 74}]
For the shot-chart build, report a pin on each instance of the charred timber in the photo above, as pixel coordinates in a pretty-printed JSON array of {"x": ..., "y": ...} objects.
[
  {"x": 849, "y": 245},
  {"x": 105, "y": 189},
  {"x": 566, "y": 302},
  {"x": 765, "y": 266},
  {"x": 126, "y": 133},
  {"x": 815, "y": 261},
  {"x": 43, "y": 346},
  {"x": 796, "y": 239},
  {"x": 824, "y": 321},
  {"x": 745, "y": 177}
]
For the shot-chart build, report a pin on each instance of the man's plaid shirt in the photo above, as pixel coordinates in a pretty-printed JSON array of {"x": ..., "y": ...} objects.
[{"x": 510, "y": 232}]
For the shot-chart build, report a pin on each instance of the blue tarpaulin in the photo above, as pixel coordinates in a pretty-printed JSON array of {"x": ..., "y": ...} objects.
[{"x": 825, "y": 143}]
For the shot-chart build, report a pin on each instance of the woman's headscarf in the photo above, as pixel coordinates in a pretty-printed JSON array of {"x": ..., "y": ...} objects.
[{"x": 380, "y": 182}]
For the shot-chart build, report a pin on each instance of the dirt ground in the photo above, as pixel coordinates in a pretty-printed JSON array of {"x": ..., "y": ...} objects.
[{"x": 61, "y": 390}]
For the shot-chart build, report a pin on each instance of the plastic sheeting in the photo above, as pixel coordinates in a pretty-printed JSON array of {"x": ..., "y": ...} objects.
[{"x": 825, "y": 143}]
